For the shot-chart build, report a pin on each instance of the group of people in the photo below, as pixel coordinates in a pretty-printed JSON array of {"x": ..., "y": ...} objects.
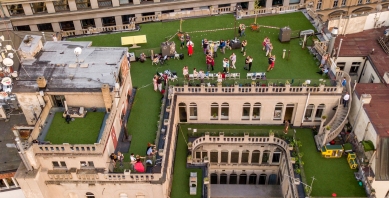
[
  {"x": 135, "y": 160},
  {"x": 189, "y": 44}
]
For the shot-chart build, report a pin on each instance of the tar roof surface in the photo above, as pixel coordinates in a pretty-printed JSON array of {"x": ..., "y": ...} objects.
[{"x": 53, "y": 63}]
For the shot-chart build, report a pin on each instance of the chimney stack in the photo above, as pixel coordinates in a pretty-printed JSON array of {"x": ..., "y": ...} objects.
[{"x": 41, "y": 81}]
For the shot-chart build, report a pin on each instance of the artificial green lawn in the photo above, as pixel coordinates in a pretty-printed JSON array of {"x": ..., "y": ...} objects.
[
  {"x": 80, "y": 131},
  {"x": 142, "y": 124},
  {"x": 332, "y": 175}
]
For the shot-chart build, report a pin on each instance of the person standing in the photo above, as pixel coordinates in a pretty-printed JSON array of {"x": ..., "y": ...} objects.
[
  {"x": 215, "y": 47},
  {"x": 155, "y": 82},
  {"x": 159, "y": 84},
  {"x": 250, "y": 62},
  {"x": 265, "y": 41},
  {"x": 187, "y": 38},
  {"x": 222, "y": 46},
  {"x": 233, "y": 60},
  {"x": 201, "y": 76},
  {"x": 182, "y": 39},
  {"x": 195, "y": 73},
  {"x": 269, "y": 48},
  {"x": 210, "y": 46},
  {"x": 346, "y": 97},
  {"x": 208, "y": 61},
  {"x": 225, "y": 62},
  {"x": 185, "y": 72},
  {"x": 243, "y": 47},
  {"x": 271, "y": 60},
  {"x": 205, "y": 46},
  {"x": 242, "y": 29},
  {"x": 246, "y": 63},
  {"x": 228, "y": 44},
  {"x": 323, "y": 60},
  {"x": 120, "y": 158},
  {"x": 344, "y": 82},
  {"x": 190, "y": 46}
]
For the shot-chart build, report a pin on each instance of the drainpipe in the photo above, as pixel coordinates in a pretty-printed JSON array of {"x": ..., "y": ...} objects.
[
  {"x": 345, "y": 28},
  {"x": 363, "y": 70},
  {"x": 305, "y": 108},
  {"x": 364, "y": 135}
]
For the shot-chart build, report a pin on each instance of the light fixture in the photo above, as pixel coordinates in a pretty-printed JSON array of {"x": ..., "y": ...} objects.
[{"x": 77, "y": 52}]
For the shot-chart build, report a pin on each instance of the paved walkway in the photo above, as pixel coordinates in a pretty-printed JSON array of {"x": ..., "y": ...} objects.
[{"x": 246, "y": 191}]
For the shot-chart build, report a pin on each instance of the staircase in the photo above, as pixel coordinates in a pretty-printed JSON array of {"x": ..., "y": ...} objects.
[{"x": 337, "y": 123}]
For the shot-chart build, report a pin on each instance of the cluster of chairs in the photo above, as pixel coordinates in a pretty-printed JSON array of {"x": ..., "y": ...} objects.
[
  {"x": 256, "y": 76},
  {"x": 159, "y": 59},
  {"x": 211, "y": 76}
]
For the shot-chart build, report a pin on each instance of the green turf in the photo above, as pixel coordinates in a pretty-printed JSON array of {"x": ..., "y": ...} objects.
[
  {"x": 181, "y": 173},
  {"x": 332, "y": 175},
  {"x": 80, "y": 131}
]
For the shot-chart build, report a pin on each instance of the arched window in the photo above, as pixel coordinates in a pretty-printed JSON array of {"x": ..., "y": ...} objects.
[
  {"x": 245, "y": 156},
  {"x": 276, "y": 156},
  {"x": 265, "y": 157},
  {"x": 214, "y": 111},
  {"x": 224, "y": 156},
  {"x": 223, "y": 178},
  {"x": 233, "y": 178},
  {"x": 235, "y": 156},
  {"x": 225, "y": 111},
  {"x": 278, "y": 111},
  {"x": 213, "y": 178},
  {"x": 90, "y": 195},
  {"x": 255, "y": 157},
  {"x": 193, "y": 111},
  {"x": 309, "y": 113},
  {"x": 262, "y": 179},
  {"x": 214, "y": 156},
  {"x": 257, "y": 111},
  {"x": 319, "y": 111},
  {"x": 272, "y": 179},
  {"x": 182, "y": 112},
  {"x": 243, "y": 178},
  {"x": 246, "y": 111},
  {"x": 253, "y": 179}
]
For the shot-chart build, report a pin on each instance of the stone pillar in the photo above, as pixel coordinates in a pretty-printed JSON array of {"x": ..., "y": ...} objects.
[
  {"x": 250, "y": 155},
  {"x": 6, "y": 183},
  {"x": 94, "y": 4},
  {"x": 157, "y": 1},
  {"x": 50, "y": 7},
  {"x": 5, "y": 10},
  {"x": 260, "y": 156},
  {"x": 115, "y": 3},
  {"x": 240, "y": 157},
  {"x": 269, "y": 3},
  {"x": 98, "y": 22},
  {"x": 27, "y": 9},
  {"x": 56, "y": 27},
  {"x": 77, "y": 27},
  {"x": 72, "y": 5},
  {"x": 106, "y": 97},
  {"x": 119, "y": 22},
  {"x": 15, "y": 182},
  {"x": 286, "y": 3},
  {"x": 136, "y": 2},
  {"x": 138, "y": 16},
  {"x": 219, "y": 156},
  {"x": 229, "y": 157},
  {"x": 252, "y": 5},
  {"x": 34, "y": 28}
]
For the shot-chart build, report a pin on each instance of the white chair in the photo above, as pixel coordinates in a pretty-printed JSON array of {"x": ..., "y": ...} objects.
[
  {"x": 173, "y": 78},
  {"x": 191, "y": 77},
  {"x": 249, "y": 75},
  {"x": 237, "y": 75}
]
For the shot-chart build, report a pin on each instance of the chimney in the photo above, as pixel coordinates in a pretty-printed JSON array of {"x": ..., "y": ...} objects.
[
  {"x": 41, "y": 81},
  {"x": 106, "y": 97}
]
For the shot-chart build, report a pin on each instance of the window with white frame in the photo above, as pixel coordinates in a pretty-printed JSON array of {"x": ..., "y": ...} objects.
[
  {"x": 335, "y": 4},
  {"x": 38, "y": 7},
  {"x": 318, "y": 6},
  {"x": 58, "y": 164},
  {"x": 319, "y": 111},
  {"x": 341, "y": 65},
  {"x": 87, "y": 164},
  {"x": 16, "y": 9},
  {"x": 224, "y": 111},
  {"x": 193, "y": 111},
  {"x": 246, "y": 111},
  {"x": 278, "y": 111},
  {"x": 256, "y": 111},
  {"x": 344, "y": 2},
  {"x": 309, "y": 112},
  {"x": 214, "y": 111},
  {"x": 354, "y": 68},
  {"x": 367, "y": 1},
  {"x": 276, "y": 156},
  {"x": 359, "y": 1}
]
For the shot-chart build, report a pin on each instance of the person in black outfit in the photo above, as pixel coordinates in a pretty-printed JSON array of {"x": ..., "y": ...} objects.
[{"x": 67, "y": 118}]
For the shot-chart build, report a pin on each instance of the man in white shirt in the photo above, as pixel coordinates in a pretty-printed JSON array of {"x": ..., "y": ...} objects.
[{"x": 346, "y": 97}]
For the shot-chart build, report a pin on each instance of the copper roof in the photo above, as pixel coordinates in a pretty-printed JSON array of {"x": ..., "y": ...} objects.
[
  {"x": 361, "y": 44},
  {"x": 377, "y": 109}
]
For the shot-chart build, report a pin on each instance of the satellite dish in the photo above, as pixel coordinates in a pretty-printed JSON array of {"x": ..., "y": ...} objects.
[
  {"x": 77, "y": 51},
  {"x": 8, "y": 62},
  {"x": 8, "y": 47}
]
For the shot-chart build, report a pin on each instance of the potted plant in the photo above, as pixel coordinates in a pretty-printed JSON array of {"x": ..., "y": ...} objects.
[
  {"x": 293, "y": 160},
  {"x": 189, "y": 159},
  {"x": 328, "y": 128},
  {"x": 291, "y": 145},
  {"x": 304, "y": 84},
  {"x": 270, "y": 84},
  {"x": 323, "y": 117},
  {"x": 253, "y": 83},
  {"x": 214, "y": 115},
  {"x": 287, "y": 82},
  {"x": 255, "y": 115},
  {"x": 205, "y": 159},
  {"x": 206, "y": 180},
  {"x": 271, "y": 133},
  {"x": 189, "y": 145}
]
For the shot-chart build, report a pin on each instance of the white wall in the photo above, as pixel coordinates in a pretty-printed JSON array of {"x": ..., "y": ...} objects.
[
  {"x": 368, "y": 73},
  {"x": 31, "y": 103},
  {"x": 18, "y": 193},
  {"x": 377, "y": 20},
  {"x": 349, "y": 61}
]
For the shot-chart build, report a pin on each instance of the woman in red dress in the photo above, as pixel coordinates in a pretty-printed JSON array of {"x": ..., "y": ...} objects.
[{"x": 190, "y": 47}]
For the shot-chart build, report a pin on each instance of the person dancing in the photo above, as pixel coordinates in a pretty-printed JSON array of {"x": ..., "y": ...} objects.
[
  {"x": 243, "y": 49},
  {"x": 271, "y": 59},
  {"x": 190, "y": 46}
]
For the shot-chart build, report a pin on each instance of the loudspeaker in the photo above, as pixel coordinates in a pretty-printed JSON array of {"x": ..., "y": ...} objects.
[
  {"x": 168, "y": 48},
  {"x": 285, "y": 34}
]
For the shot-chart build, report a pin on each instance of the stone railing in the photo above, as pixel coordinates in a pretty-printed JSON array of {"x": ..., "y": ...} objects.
[
  {"x": 98, "y": 30},
  {"x": 335, "y": 131},
  {"x": 67, "y": 148},
  {"x": 256, "y": 89},
  {"x": 321, "y": 47},
  {"x": 72, "y": 175},
  {"x": 207, "y": 139}
]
